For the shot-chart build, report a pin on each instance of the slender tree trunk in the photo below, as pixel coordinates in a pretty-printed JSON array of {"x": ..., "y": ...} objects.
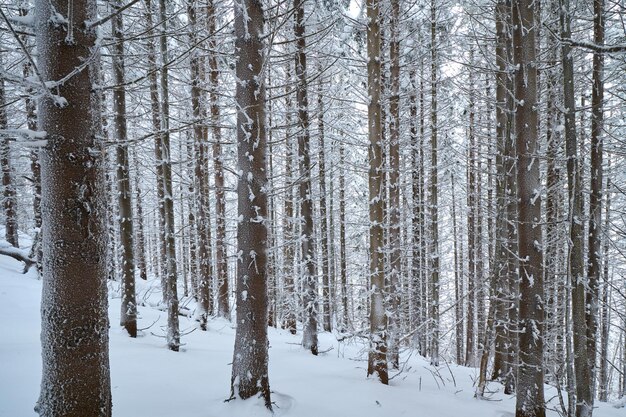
[
  {"x": 9, "y": 192},
  {"x": 603, "y": 377},
  {"x": 594, "y": 247},
  {"x": 324, "y": 241},
  {"x": 128, "y": 315},
  {"x": 458, "y": 283},
  {"x": 530, "y": 398},
  {"x": 289, "y": 307},
  {"x": 394, "y": 188},
  {"x": 171, "y": 290},
  {"x": 309, "y": 298},
  {"x": 377, "y": 358},
  {"x": 343, "y": 273},
  {"x": 584, "y": 400},
  {"x": 140, "y": 238},
  {"x": 74, "y": 319},
  {"x": 250, "y": 376},
  {"x": 221, "y": 255},
  {"x": 434, "y": 189}
]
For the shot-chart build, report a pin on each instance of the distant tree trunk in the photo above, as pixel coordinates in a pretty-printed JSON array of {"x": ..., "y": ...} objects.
[
  {"x": 289, "y": 307},
  {"x": 458, "y": 283},
  {"x": 309, "y": 298},
  {"x": 171, "y": 290},
  {"x": 603, "y": 377},
  {"x": 377, "y": 358},
  {"x": 249, "y": 376},
  {"x": 394, "y": 188},
  {"x": 434, "y": 190},
  {"x": 74, "y": 318},
  {"x": 582, "y": 368},
  {"x": 9, "y": 193},
  {"x": 202, "y": 290},
  {"x": 530, "y": 398},
  {"x": 472, "y": 280},
  {"x": 155, "y": 112},
  {"x": 343, "y": 273},
  {"x": 128, "y": 315},
  {"x": 594, "y": 247},
  {"x": 140, "y": 239},
  {"x": 31, "y": 122},
  {"x": 221, "y": 255},
  {"x": 324, "y": 241}
]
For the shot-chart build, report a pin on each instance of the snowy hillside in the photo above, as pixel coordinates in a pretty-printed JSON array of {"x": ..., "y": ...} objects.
[{"x": 149, "y": 380}]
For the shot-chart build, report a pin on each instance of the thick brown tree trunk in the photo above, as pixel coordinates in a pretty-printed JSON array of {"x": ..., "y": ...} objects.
[
  {"x": 377, "y": 359},
  {"x": 249, "y": 376},
  {"x": 530, "y": 398},
  {"x": 74, "y": 319}
]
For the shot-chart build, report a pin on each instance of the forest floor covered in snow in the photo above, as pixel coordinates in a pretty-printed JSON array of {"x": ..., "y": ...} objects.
[{"x": 150, "y": 381}]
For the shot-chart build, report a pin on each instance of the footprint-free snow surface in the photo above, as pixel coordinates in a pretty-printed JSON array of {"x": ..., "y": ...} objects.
[{"x": 147, "y": 380}]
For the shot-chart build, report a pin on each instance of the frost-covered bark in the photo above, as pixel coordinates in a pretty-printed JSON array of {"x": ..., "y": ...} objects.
[
  {"x": 394, "y": 187},
  {"x": 289, "y": 298},
  {"x": 221, "y": 260},
  {"x": 594, "y": 247},
  {"x": 128, "y": 314},
  {"x": 74, "y": 322},
  {"x": 170, "y": 289},
  {"x": 249, "y": 376},
  {"x": 309, "y": 277},
  {"x": 377, "y": 358},
  {"x": 434, "y": 191},
  {"x": 576, "y": 272},
  {"x": 530, "y": 398},
  {"x": 9, "y": 202}
]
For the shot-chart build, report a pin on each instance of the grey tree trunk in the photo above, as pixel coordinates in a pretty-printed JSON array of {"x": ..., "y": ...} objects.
[
  {"x": 74, "y": 320},
  {"x": 594, "y": 247},
  {"x": 530, "y": 397},
  {"x": 128, "y": 314},
  {"x": 289, "y": 304},
  {"x": 434, "y": 190},
  {"x": 309, "y": 297},
  {"x": 249, "y": 376},
  {"x": 171, "y": 288},
  {"x": 221, "y": 255},
  {"x": 9, "y": 193},
  {"x": 377, "y": 358},
  {"x": 324, "y": 240},
  {"x": 394, "y": 252},
  {"x": 582, "y": 368}
]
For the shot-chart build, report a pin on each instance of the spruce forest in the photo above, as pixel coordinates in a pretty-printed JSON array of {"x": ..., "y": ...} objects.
[{"x": 313, "y": 207}]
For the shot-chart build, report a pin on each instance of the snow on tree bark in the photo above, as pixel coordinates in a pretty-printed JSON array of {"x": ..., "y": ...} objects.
[
  {"x": 249, "y": 375},
  {"x": 377, "y": 358},
  {"x": 530, "y": 397},
  {"x": 74, "y": 321}
]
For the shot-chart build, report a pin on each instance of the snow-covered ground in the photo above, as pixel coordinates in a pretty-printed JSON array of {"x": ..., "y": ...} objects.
[{"x": 150, "y": 381}]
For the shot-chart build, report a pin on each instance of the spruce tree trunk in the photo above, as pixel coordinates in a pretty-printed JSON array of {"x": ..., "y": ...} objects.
[
  {"x": 434, "y": 190},
  {"x": 324, "y": 241},
  {"x": 309, "y": 297},
  {"x": 9, "y": 192},
  {"x": 250, "y": 376},
  {"x": 289, "y": 304},
  {"x": 171, "y": 288},
  {"x": 221, "y": 256},
  {"x": 377, "y": 358},
  {"x": 594, "y": 247},
  {"x": 530, "y": 397},
  {"x": 128, "y": 314},
  {"x": 74, "y": 317}
]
